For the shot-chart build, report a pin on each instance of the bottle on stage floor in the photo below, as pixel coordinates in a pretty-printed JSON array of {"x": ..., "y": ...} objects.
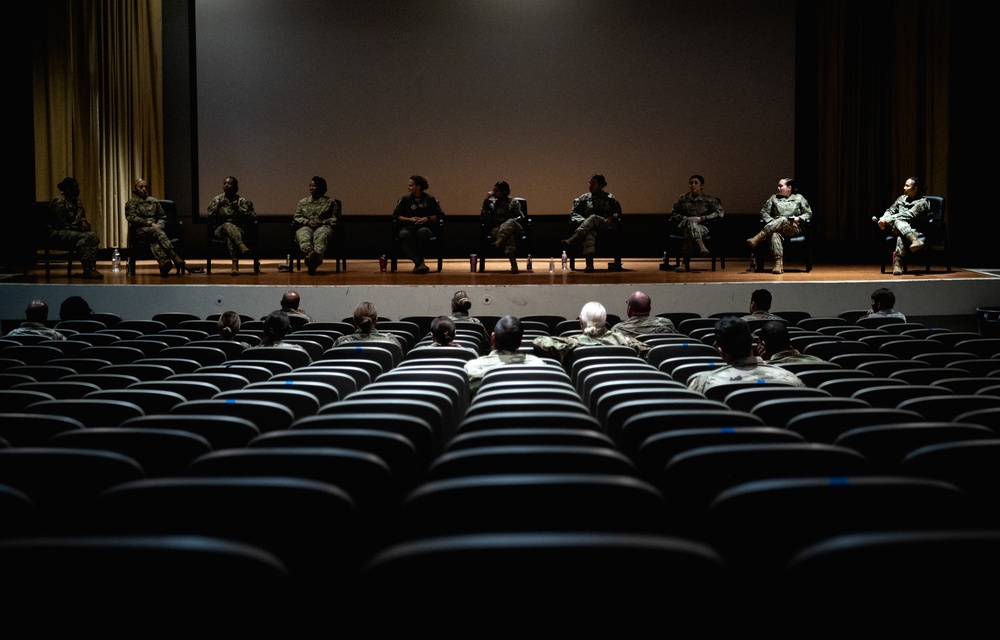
[
  {"x": 552, "y": 265},
  {"x": 529, "y": 263},
  {"x": 116, "y": 261},
  {"x": 381, "y": 263},
  {"x": 565, "y": 260},
  {"x": 288, "y": 262}
]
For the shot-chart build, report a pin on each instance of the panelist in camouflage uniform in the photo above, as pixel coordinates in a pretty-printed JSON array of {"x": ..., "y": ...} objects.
[
  {"x": 782, "y": 214},
  {"x": 230, "y": 214},
  {"x": 899, "y": 218},
  {"x": 317, "y": 217},
  {"x": 149, "y": 222},
  {"x": 503, "y": 215},
  {"x": 689, "y": 214},
  {"x": 70, "y": 229},
  {"x": 596, "y": 212}
]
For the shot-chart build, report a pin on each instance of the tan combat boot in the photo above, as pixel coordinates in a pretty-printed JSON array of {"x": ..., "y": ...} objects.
[
  {"x": 754, "y": 241},
  {"x": 236, "y": 268},
  {"x": 779, "y": 265},
  {"x": 897, "y": 264},
  {"x": 915, "y": 243}
]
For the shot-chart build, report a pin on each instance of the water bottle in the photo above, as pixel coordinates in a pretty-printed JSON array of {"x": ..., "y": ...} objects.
[
  {"x": 116, "y": 261},
  {"x": 565, "y": 260},
  {"x": 552, "y": 265},
  {"x": 288, "y": 262},
  {"x": 382, "y": 263},
  {"x": 529, "y": 263}
]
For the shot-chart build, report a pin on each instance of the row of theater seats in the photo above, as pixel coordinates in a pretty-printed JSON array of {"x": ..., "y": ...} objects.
[{"x": 370, "y": 481}]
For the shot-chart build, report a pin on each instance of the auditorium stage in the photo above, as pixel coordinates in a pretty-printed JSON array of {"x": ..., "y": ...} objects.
[{"x": 826, "y": 290}]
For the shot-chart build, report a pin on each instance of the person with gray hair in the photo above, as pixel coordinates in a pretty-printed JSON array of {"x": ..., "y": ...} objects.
[
  {"x": 593, "y": 331},
  {"x": 506, "y": 340}
]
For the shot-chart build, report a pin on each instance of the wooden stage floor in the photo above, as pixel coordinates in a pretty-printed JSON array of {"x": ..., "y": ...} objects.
[{"x": 456, "y": 273}]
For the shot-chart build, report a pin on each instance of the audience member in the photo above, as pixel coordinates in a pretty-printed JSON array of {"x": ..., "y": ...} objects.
[
  {"x": 365, "y": 321},
  {"x": 506, "y": 340},
  {"x": 638, "y": 307},
  {"x": 593, "y": 323},
  {"x": 774, "y": 346},
  {"x": 35, "y": 316},
  {"x": 883, "y": 301},
  {"x": 735, "y": 344},
  {"x": 760, "y": 306},
  {"x": 276, "y": 327},
  {"x": 460, "y": 305},
  {"x": 229, "y": 326},
  {"x": 75, "y": 308},
  {"x": 290, "y": 301},
  {"x": 443, "y": 333}
]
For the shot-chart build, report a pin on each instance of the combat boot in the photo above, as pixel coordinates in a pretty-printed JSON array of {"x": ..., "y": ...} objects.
[
  {"x": 90, "y": 271},
  {"x": 897, "y": 264},
  {"x": 684, "y": 266},
  {"x": 702, "y": 249},
  {"x": 513, "y": 265},
  {"x": 590, "y": 265},
  {"x": 779, "y": 265},
  {"x": 757, "y": 239},
  {"x": 915, "y": 243},
  {"x": 236, "y": 268}
]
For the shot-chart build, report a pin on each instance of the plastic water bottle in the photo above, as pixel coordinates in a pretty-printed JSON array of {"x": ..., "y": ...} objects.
[
  {"x": 116, "y": 261},
  {"x": 565, "y": 261},
  {"x": 529, "y": 263},
  {"x": 552, "y": 265}
]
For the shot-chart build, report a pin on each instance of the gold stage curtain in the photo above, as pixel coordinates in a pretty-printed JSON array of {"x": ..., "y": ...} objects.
[
  {"x": 98, "y": 105},
  {"x": 882, "y": 108}
]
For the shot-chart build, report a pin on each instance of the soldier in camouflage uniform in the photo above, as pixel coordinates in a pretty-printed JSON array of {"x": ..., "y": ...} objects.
[
  {"x": 735, "y": 344},
  {"x": 907, "y": 208},
  {"x": 689, "y": 214},
  {"x": 782, "y": 214},
  {"x": 774, "y": 345},
  {"x": 638, "y": 307},
  {"x": 317, "y": 217},
  {"x": 596, "y": 211},
  {"x": 149, "y": 221},
  {"x": 413, "y": 213},
  {"x": 365, "y": 319},
  {"x": 593, "y": 318},
  {"x": 229, "y": 213},
  {"x": 506, "y": 340},
  {"x": 760, "y": 306},
  {"x": 503, "y": 215},
  {"x": 70, "y": 229},
  {"x": 35, "y": 316}
]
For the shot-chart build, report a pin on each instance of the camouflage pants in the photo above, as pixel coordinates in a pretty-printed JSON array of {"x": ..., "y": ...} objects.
[
  {"x": 233, "y": 236},
  {"x": 159, "y": 244},
  {"x": 900, "y": 229},
  {"x": 588, "y": 231},
  {"x": 83, "y": 242},
  {"x": 506, "y": 235},
  {"x": 693, "y": 237},
  {"x": 315, "y": 240},
  {"x": 779, "y": 228}
]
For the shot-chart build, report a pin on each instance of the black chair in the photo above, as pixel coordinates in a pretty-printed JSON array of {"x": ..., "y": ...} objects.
[
  {"x": 935, "y": 233},
  {"x": 677, "y": 244},
  {"x": 801, "y": 245},
  {"x": 251, "y": 238},
  {"x": 436, "y": 243},
  {"x": 486, "y": 240},
  {"x": 140, "y": 248},
  {"x": 39, "y": 216},
  {"x": 335, "y": 247}
]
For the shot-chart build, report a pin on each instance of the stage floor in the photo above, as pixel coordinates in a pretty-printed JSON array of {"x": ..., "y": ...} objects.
[{"x": 456, "y": 272}]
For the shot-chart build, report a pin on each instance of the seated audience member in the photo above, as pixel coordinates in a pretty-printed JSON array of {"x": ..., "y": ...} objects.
[
  {"x": 290, "y": 305},
  {"x": 365, "y": 320},
  {"x": 443, "y": 333},
  {"x": 735, "y": 344},
  {"x": 35, "y": 316},
  {"x": 638, "y": 307},
  {"x": 883, "y": 301},
  {"x": 276, "y": 327},
  {"x": 593, "y": 323},
  {"x": 75, "y": 308},
  {"x": 506, "y": 340},
  {"x": 229, "y": 326},
  {"x": 460, "y": 305},
  {"x": 70, "y": 229},
  {"x": 760, "y": 306},
  {"x": 774, "y": 347}
]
